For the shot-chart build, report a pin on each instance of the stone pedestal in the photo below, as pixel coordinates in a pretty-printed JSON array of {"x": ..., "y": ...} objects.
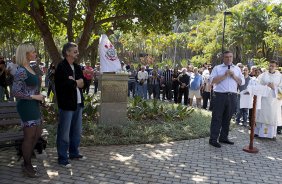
[{"x": 113, "y": 106}]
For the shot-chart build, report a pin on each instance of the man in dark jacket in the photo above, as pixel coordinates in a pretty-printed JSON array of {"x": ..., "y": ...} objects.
[
  {"x": 184, "y": 81},
  {"x": 68, "y": 86}
]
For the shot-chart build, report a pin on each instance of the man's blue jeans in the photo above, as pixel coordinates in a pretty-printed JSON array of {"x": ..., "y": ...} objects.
[
  {"x": 144, "y": 91},
  {"x": 68, "y": 133}
]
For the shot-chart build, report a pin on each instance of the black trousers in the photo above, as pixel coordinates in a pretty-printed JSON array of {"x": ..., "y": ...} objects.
[
  {"x": 86, "y": 86},
  {"x": 211, "y": 100},
  {"x": 95, "y": 86},
  {"x": 206, "y": 98},
  {"x": 224, "y": 106},
  {"x": 183, "y": 91},
  {"x": 167, "y": 91},
  {"x": 131, "y": 87},
  {"x": 175, "y": 92}
]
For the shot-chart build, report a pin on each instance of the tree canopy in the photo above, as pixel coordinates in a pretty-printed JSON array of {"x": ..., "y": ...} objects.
[
  {"x": 82, "y": 21},
  {"x": 253, "y": 31},
  {"x": 181, "y": 31}
]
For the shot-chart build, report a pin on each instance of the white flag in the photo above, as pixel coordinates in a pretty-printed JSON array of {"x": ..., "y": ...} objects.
[{"x": 109, "y": 61}]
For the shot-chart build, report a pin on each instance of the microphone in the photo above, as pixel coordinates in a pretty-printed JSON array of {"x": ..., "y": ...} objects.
[{"x": 228, "y": 67}]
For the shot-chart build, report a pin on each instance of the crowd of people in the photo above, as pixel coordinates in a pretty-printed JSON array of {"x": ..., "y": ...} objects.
[
  {"x": 170, "y": 84},
  {"x": 166, "y": 84},
  {"x": 230, "y": 83},
  {"x": 218, "y": 89}
]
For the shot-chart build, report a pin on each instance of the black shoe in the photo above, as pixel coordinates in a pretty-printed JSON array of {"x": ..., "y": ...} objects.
[
  {"x": 226, "y": 141},
  {"x": 215, "y": 144},
  {"x": 79, "y": 157}
]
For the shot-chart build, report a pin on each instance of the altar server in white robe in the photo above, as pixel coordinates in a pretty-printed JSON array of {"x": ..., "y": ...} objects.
[{"x": 269, "y": 116}]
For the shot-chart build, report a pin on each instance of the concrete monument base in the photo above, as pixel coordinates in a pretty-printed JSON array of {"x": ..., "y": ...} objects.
[{"x": 113, "y": 106}]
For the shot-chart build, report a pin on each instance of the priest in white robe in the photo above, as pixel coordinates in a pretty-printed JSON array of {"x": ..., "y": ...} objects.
[{"x": 269, "y": 116}]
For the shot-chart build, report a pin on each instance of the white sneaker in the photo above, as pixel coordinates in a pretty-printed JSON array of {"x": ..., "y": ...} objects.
[{"x": 67, "y": 165}]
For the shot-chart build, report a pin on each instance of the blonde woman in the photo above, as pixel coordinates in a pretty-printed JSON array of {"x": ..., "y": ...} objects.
[{"x": 25, "y": 89}]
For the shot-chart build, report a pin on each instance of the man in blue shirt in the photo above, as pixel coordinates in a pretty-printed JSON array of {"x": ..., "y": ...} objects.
[
  {"x": 225, "y": 78},
  {"x": 195, "y": 87}
]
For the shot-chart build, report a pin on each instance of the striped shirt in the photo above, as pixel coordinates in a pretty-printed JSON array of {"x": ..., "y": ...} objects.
[{"x": 167, "y": 76}]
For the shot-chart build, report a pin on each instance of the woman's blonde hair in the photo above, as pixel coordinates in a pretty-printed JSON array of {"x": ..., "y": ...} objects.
[{"x": 22, "y": 51}]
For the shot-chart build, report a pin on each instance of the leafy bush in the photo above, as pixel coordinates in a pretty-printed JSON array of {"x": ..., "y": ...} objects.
[
  {"x": 90, "y": 110},
  {"x": 197, "y": 125},
  {"x": 155, "y": 110}
]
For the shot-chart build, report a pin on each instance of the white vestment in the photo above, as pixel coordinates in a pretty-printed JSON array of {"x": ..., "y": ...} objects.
[
  {"x": 269, "y": 116},
  {"x": 109, "y": 61}
]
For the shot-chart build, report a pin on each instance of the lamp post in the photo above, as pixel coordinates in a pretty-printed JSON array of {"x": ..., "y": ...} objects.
[
  {"x": 224, "y": 22},
  {"x": 175, "y": 45}
]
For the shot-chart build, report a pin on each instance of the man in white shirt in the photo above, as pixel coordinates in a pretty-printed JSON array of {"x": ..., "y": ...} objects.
[
  {"x": 142, "y": 77},
  {"x": 12, "y": 66},
  {"x": 225, "y": 78}
]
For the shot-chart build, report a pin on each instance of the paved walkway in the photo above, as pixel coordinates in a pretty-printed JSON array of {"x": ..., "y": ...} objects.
[{"x": 192, "y": 161}]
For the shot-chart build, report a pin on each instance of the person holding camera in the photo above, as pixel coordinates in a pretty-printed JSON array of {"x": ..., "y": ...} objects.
[{"x": 142, "y": 78}]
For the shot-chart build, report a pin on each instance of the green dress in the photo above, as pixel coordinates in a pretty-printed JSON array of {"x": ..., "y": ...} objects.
[{"x": 26, "y": 84}]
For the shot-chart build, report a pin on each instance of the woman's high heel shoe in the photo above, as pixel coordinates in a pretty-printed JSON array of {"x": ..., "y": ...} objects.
[{"x": 31, "y": 174}]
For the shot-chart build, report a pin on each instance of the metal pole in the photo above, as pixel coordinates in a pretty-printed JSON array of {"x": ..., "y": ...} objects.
[
  {"x": 222, "y": 46},
  {"x": 223, "y": 32},
  {"x": 175, "y": 45},
  {"x": 174, "y": 58}
]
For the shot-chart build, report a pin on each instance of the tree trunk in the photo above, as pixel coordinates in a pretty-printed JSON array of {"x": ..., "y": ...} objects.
[
  {"x": 88, "y": 27},
  {"x": 93, "y": 50},
  {"x": 72, "y": 9},
  {"x": 38, "y": 17},
  {"x": 238, "y": 54}
]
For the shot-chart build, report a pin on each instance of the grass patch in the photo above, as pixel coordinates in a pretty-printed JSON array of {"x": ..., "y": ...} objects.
[
  {"x": 149, "y": 121},
  {"x": 196, "y": 125}
]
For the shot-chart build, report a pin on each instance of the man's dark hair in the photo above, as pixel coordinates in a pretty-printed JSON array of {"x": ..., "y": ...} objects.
[
  {"x": 274, "y": 61},
  {"x": 227, "y": 52},
  {"x": 67, "y": 47}
]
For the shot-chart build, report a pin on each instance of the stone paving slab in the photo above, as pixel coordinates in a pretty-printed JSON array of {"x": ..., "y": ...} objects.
[{"x": 193, "y": 161}]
